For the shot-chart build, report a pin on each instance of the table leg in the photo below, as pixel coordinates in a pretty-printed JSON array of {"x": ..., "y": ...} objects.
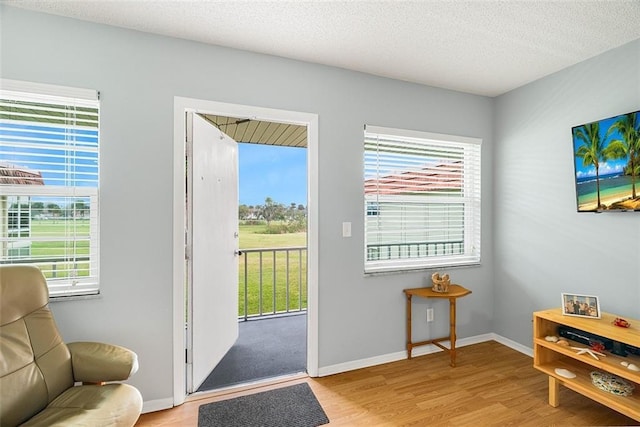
[
  {"x": 409, "y": 344},
  {"x": 452, "y": 332},
  {"x": 554, "y": 392}
]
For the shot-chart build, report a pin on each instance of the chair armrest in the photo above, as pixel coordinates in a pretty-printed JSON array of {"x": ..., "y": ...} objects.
[{"x": 95, "y": 362}]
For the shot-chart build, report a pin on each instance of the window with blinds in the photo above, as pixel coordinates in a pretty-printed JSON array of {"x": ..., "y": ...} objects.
[
  {"x": 49, "y": 182},
  {"x": 422, "y": 200}
]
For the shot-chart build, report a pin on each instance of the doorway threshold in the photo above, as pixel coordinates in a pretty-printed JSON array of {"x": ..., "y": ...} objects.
[{"x": 264, "y": 384}]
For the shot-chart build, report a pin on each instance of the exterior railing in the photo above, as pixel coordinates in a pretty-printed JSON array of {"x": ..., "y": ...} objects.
[
  {"x": 272, "y": 281},
  {"x": 387, "y": 251}
]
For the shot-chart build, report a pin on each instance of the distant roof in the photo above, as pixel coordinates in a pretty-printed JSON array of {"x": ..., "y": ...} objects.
[
  {"x": 10, "y": 174},
  {"x": 435, "y": 178}
]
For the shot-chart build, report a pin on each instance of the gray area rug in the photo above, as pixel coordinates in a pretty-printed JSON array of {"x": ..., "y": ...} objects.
[
  {"x": 293, "y": 406},
  {"x": 265, "y": 348}
]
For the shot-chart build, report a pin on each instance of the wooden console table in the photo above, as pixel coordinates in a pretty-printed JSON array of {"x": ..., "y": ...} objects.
[
  {"x": 549, "y": 357},
  {"x": 455, "y": 292}
]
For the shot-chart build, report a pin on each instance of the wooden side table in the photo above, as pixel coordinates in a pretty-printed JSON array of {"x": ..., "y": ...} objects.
[{"x": 455, "y": 292}]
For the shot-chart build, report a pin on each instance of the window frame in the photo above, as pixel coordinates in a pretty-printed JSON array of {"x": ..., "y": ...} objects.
[
  {"x": 469, "y": 201},
  {"x": 77, "y": 276}
]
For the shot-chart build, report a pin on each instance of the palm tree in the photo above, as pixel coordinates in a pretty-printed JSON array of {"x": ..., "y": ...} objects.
[
  {"x": 629, "y": 146},
  {"x": 271, "y": 210},
  {"x": 592, "y": 149}
]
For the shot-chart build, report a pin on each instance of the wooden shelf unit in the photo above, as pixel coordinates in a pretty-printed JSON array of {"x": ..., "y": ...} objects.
[{"x": 547, "y": 356}]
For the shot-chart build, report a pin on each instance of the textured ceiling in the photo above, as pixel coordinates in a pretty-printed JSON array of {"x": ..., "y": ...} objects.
[{"x": 485, "y": 47}]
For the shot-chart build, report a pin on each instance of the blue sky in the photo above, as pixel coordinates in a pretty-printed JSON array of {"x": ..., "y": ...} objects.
[
  {"x": 70, "y": 159},
  {"x": 272, "y": 171}
]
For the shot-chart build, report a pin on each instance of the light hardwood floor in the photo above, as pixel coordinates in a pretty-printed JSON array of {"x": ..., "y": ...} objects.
[{"x": 492, "y": 385}]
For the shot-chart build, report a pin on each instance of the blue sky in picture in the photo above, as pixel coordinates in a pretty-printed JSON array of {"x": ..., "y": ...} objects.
[{"x": 272, "y": 171}]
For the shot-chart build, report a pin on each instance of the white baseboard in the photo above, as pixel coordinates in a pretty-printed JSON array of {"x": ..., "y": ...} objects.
[
  {"x": 514, "y": 345},
  {"x": 361, "y": 363},
  {"x": 157, "y": 405},
  {"x": 418, "y": 351}
]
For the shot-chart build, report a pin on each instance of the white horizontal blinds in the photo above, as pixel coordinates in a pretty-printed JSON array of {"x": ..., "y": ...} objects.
[
  {"x": 422, "y": 200},
  {"x": 49, "y": 181}
]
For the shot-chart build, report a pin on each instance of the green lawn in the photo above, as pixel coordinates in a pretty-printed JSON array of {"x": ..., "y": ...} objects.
[
  {"x": 254, "y": 236},
  {"x": 48, "y": 228}
]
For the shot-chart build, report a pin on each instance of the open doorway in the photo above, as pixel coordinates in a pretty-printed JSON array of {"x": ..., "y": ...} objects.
[
  {"x": 209, "y": 108},
  {"x": 271, "y": 272}
]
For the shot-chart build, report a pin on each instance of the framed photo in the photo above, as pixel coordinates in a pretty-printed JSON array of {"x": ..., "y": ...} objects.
[{"x": 580, "y": 305}]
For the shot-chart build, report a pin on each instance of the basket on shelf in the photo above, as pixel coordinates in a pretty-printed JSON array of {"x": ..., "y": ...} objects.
[
  {"x": 611, "y": 383},
  {"x": 440, "y": 283}
]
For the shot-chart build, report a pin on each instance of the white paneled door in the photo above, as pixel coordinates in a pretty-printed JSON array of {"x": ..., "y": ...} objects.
[{"x": 213, "y": 239}]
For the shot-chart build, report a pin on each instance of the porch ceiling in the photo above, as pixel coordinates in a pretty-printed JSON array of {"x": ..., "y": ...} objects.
[{"x": 260, "y": 132}]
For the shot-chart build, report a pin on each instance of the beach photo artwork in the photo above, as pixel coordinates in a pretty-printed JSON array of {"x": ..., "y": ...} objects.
[{"x": 607, "y": 164}]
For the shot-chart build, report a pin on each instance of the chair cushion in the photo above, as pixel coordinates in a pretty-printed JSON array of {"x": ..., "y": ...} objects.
[
  {"x": 92, "y": 406},
  {"x": 23, "y": 290},
  {"x": 35, "y": 366}
]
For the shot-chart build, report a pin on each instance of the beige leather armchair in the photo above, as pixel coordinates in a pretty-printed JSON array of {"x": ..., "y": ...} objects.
[{"x": 38, "y": 372}]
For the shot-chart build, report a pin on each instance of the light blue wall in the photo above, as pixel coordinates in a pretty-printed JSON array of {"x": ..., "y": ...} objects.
[
  {"x": 542, "y": 245},
  {"x": 138, "y": 76}
]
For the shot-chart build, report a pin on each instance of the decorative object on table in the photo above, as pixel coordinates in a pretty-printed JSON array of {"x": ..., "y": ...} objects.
[
  {"x": 611, "y": 383},
  {"x": 596, "y": 346},
  {"x": 619, "y": 321},
  {"x": 580, "y": 305},
  {"x": 565, "y": 373},
  {"x": 589, "y": 351},
  {"x": 440, "y": 283},
  {"x": 551, "y": 338},
  {"x": 630, "y": 366}
]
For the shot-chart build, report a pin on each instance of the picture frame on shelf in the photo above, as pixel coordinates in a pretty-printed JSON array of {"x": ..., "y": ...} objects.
[{"x": 581, "y": 305}]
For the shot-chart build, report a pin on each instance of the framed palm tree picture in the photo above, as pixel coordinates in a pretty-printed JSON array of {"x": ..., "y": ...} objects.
[{"x": 607, "y": 164}]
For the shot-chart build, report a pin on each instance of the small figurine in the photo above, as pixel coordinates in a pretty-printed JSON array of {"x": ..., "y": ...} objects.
[
  {"x": 440, "y": 283},
  {"x": 619, "y": 321}
]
